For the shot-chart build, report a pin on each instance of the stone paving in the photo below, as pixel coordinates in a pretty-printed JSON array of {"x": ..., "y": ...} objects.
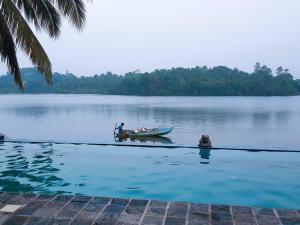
[{"x": 49, "y": 209}]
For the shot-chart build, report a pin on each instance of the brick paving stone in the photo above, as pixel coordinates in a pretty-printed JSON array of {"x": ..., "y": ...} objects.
[
  {"x": 66, "y": 214},
  {"x": 22, "y": 199},
  {"x": 46, "y": 212},
  {"x": 196, "y": 218},
  {"x": 222, "y": 223},
  {"x": 197, "y": 223},
  {"x": 63, "y": 198},
  {"x": 36, "y": 204},
  {"x": 103, "y": 223},
  {"x": 290, "y": 220},
  {"x": 138, "y": 210},
  {"x": 268, "y": 220},
  {"x": 70, "y": 210},
  {"x": 29, "y": 195},
  {"x": 263, "y": 212},
  {"x": 221, "y": 217},
  {"x": 119, "y": 201},
  {"x": 107, "y": 218},
  {"x": 245, "y": 223},
  {"x": 62, "y": 210},
  {"x": 244, "y": 218},
  {"x": 75, "y": 205},
  {"x": 87, "y": 215},
  {"x": 90, "y": 211},
  {"x": 177, "y": 209},
  {"x": 152, "y": 220},
  {"x": 3, "y": 217},
  {"x": 30, "y": 208},
  {"x": 37, "y": 221},
  {"x": 114, "y": 209},
  {"x": 81, "y": 199},
  {"x": 94, "y": 207},
  {"x": 15, "y": 220},
  {"x": 175, "y": 221},
  {"x": 178, "y": 205},
  {"x": 45, "y": 197},
  {"x": 196, "y": 207},
  {"x": 59, "y": 222},
  {"x": 220, "y": 208},
  {"x": 287, "y": 213},
  {"x": 123, "y": 223},
  {"x": 82, "y": 222},
  {"x": 100, "y": 200},
  {"x": 137, "y": 202},
  {"x": 158, "y": 204},
  {"x": 176, "y": 212},
  {"x": 129, "y": 218},
  {"x": 242, "y": 210},
  {"x": 55, "y": 203},
  {"x": 7, "y": 196},
  {"x": 155, "y": 211}
]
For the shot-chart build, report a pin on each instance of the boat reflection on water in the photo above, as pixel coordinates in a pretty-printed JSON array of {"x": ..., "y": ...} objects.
[{"x": 151, "y": 140}]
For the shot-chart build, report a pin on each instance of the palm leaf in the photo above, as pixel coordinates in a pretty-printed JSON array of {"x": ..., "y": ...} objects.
[
  {"x": 26, "y": 39},
  {"x": 8, "y": 51},
  {"x": 74, "y": 10},
  {"x": 44, "y": 15},
  {"x": 27, "y": 8},
  {"x": 47, "y": 15}
]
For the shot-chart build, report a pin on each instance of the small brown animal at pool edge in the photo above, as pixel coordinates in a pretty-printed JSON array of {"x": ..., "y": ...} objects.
[{"x": 205, "y": 141}]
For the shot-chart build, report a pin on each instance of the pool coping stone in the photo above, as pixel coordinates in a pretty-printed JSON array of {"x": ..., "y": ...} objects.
[{"x": 51, "y": 209}]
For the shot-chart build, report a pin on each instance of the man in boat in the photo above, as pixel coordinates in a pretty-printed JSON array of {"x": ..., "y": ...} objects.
[{"x": 120, "y": 128}]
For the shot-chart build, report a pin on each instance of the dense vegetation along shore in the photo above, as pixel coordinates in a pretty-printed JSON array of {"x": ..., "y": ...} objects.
[{"x": 198, "y": 81}]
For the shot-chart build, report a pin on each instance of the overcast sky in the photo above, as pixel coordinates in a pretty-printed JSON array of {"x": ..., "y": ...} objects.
[{"x": 125, "y": 35}]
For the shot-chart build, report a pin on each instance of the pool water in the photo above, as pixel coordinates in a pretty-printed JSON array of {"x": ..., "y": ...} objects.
[{"x": 263, "y": 179}]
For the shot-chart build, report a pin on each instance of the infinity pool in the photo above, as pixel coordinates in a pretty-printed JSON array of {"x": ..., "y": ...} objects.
[{"x": 261, "y": 179}]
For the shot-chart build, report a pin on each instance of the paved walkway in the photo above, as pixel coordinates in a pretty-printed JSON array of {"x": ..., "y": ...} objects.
[{"x": 84, "y": 210}]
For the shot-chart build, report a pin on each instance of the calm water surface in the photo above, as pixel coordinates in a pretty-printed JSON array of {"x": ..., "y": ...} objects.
[
  {"x": 263, "y": 179},
  {"x": 230, "y": 121}
]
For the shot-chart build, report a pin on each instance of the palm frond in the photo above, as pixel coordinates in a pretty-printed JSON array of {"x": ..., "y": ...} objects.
[
  {"x": 26, "y": 39},
  {"x": 8, "y": 51},
  {"x": 74, "y": 10},
  {"x": 27, "y": 8},
  {"x": 48, "y": 16},
  {"x": 42, "y": 13}
]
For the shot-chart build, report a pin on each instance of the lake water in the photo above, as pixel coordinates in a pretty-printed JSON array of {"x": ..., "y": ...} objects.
[{"x": 269, "y": 122}]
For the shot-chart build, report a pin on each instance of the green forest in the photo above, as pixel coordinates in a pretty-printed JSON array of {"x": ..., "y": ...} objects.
[{"x": 197, "y": 81}]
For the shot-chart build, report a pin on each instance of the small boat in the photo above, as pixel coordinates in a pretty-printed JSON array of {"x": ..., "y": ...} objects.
[{"x": 143, "y": 132}]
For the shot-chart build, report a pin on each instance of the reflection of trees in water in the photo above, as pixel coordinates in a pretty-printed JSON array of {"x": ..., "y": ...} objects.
[
  {"x": 157, "y": 112},
  {"x": 183, "y": 115},
  {"x": 20, "y": 172},
  {"x": 34, "y": 111},
  {"x": 203, "y": 115},
  {"x": 264, "y": 118},
  {"x": 261, "y": 119},
  {"x": 41, "y": 111}
]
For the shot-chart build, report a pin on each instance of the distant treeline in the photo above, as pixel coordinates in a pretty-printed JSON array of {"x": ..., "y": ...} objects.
[{"x": 198, "y": 81}]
